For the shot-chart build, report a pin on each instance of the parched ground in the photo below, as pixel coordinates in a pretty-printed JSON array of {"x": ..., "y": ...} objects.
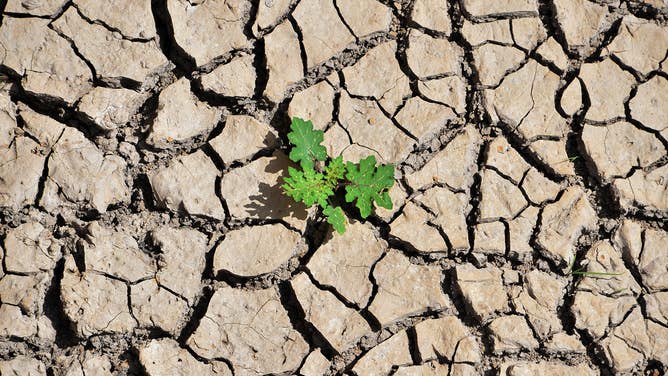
[{"x": 144, "y": 232}]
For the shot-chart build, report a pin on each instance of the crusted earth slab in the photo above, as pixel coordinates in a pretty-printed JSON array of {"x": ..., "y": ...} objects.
[
  {"x": 489, "y": 238},
  {"x": 478, "y": 8},
  {"x": 363, "y": 119},
  {"x": 521, "y": 230},
  {"x": 639, "y": 44},
  {"x": 534, "y": 117},
  {"x": 432, "y": 14},
  {"x": 446, "y": 337},
  {"x": 343, "y": 331},
  {"x": 17, "y": 154},
  {"x": 429, "y": 56},
  {"x": 206, "y": 30},
  {"x": 424, "y": 119},
  {"x": 22, "y": 365},
  {"x": 511, "y": 334},
  {"x": 182, "y": 259},
  {"x": 418, "y": 291},
  {"x": 607, "y": 103},
  {"x": 262, "y": 193},
  {"x": 268, "y": 13},
  {"x": 462, "y": 151},
  {"x": 180, "y": 116},
  {"x": 114, "y": 253},
  {"x": 381, "y": 359},
  {"x": 110, "y": 109},
  {"x": 643, "y": 192},
  {"x": 121, "y": 58},
  {"x": 95, "y": 303},
  {"x": 450, "y": 211},
  {"x": 243, "y": 252},
  {"x": 345, "y": 261},
  {"x": 494, "y": 61},
  {"x": 249, "y": 136},
  {"x": 426, "y": 237},
  {"x": 378, "y": 74},
  {"x": 131, "y": 18},
  {"x": 165, "y": 356},
  {"x": 545, "y": 368},
  {"x": 156, "y": 307},
  {"x": 500, "y": 197},
  {"x": 283, "y": 63},
  {"x": 557, "y": 235},
  {"x": 376, "y": 18},
  {"x": 645, "y": 106},
  {"x": 56, "y": 71},
  {"x": 236, "y": 326},
  {"x": 316, "y": 103},
  {"x": 634, "y": 341},
  {"x": 78, "y": 171},
  {"x": 86, "y": 363},
  {"x": 450, "y": 91},
  {"x": 482, "y": 290},
  {"x": 42, "y": 8},
  {"x": 315, "y": 364},
  {"x": 579, "y": 20},
  {"x": 30, "y": 248},
  {"x": 539, "y": 301},
  {"x": 234, "y": 79},
  {"x": 633, "y": 148},
  {"x": 325, "y": 35},
  {"x": 187, "y": 185},
  {"x": 641, "y": 247}
]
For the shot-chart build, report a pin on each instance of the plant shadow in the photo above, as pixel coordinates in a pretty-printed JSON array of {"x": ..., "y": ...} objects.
[{"x": 268, "y": 201}]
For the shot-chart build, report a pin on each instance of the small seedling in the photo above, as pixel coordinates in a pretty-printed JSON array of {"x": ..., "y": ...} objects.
[
  {"x": 321, "y": 176},
  {"x": 580, "y": 271}
]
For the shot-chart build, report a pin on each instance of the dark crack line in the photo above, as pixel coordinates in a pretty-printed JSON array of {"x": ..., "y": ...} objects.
[
  {"x": 165, "y": 29},
  {"x": 297, "y": 317},
  {"x": 263, "y": 32},
  {"x": 108, "y": 27},
  {"x": 54, "y": 311},
  {"x": 302, "y": 49},
  {"x": 607, "y": 37},
  {"x": 75, "y": 49},
  {"x": 261, "y": 69},
  {"x": 45, "y": 172},
  {"x": 198, "y": 312},
  {"x": 473, "y": 217},
  {"x": 343, "y": 20}
]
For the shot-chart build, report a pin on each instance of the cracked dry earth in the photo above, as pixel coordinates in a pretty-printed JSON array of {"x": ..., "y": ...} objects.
[{"x": 144, "y": 231}]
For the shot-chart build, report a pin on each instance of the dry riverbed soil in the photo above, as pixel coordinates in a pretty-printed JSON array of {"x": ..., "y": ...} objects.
[{"x": 144, "y": 232}]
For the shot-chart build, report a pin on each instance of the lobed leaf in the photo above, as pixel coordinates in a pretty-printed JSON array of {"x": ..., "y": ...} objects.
[
  {"x": 335, "y": 218},
  {"x": 306, "y": 141},
  {"x": 335, "y": 171},
  {"x": 308, "y": 186},
  {"x": 368, "y": 184}
]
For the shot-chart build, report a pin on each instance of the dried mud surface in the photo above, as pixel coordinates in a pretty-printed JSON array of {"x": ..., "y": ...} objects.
[{"x": 143, "y": 230}]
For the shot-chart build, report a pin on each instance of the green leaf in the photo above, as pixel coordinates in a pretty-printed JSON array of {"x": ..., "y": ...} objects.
[
  {"x": 335, "y": 171},
  {"x": 368, "y": 184},
  {"x": 581, "y": 272},
  {"x": 384, "y": 201},
  {"x": 308, "y": 186},
  {"x": 335, "y": 218},
  {"x": 306, "y": 143}
]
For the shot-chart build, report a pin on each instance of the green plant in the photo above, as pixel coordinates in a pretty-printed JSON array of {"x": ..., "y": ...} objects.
[
  {"x": 321, "y": 177},
  {"x": 580, "y": 271},
  {"x": 585, "y": 273}
]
